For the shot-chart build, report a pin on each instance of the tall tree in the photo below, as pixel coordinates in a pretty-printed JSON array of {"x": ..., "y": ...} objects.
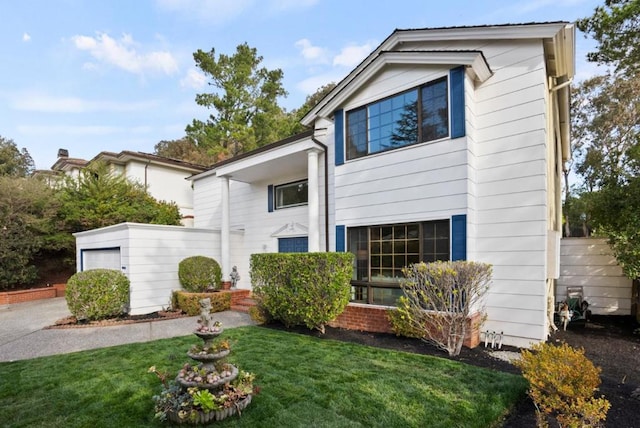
[
  {"x": 184, "y": 149},
  {"x": 616, "y": 28},
  {"x": 26, "y": 209},
  {"x": 606, "y": 128},
  {"x": 245, "y": 106},
  {"x": 14, "y": 162}
]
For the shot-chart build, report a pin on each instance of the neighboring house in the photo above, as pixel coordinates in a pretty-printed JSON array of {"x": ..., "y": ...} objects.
[
  {"x": 443, "y": 144},
  {"x": 164, "y": 178}
]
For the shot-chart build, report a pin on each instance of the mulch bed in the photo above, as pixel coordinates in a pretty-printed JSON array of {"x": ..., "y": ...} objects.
[
  {"x": 72, "y": 322},
  {"x": 609, "y": 342}
]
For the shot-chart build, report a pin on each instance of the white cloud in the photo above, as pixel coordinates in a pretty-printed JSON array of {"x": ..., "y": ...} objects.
[
  {"x": 352, "y": 55},
  {"x": 310, "y": 53},
  {"x": 123, "y": 54},
  {"x": 51, "y": 104},
  {"x": 69, "y": 130},
  {"x": 26, "y": 37},
  {"x": 210, "y": 11},
  {"x": 193, "y": 79}
]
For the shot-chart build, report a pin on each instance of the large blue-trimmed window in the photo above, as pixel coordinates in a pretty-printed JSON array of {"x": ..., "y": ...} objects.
[
  {"x": 382, "y": 251},
  {"x": 418, "y": 115}
]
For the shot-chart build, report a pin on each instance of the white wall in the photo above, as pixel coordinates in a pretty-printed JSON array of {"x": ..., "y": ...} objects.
[
  {"x": 496, "y": 175},
  {"x": 164, "y": 183},
  {"x": 589, "y": 263},
  {"x": 150, "y": 255}
]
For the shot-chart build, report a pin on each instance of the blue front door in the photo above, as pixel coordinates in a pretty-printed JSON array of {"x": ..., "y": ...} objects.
[{"x": 293, "y": 245}]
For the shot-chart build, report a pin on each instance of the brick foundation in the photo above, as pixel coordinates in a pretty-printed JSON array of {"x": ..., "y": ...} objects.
[
  {"x": 374, "y": 319},
  {"x": 238, "y": 295}
]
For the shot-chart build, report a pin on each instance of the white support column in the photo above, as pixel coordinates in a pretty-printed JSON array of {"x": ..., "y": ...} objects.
[
  {"x": 314, "y": 200},
  {"x": 225, "y": 263}
]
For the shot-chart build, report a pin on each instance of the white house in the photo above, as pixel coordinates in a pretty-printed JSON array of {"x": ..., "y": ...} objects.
[
  {"x": 444, "y": 143},
  {"x": 164, "y": 178}
]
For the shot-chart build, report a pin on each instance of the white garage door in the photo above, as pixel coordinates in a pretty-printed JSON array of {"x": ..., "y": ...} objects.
[{"x": 106, "y": 258}]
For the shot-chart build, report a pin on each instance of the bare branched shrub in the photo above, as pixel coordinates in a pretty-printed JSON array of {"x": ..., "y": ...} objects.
[{"x": 438, "y": 300}]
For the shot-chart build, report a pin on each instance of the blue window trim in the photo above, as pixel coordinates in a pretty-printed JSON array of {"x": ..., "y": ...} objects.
[
  {"x": 456, "y": 82},
  {"x": 270, "y": 198},
  {"x": 340, "y": 238},
  {"x": 88, "y": 250},
  {"x": 339, "y": 136},
  {"x": 459, "y": 237}
]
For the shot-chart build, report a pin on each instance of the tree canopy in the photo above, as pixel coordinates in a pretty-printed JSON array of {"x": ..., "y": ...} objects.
[
  {"x": 14, "y": 162},
  {"x": 246, "y": 114},
  {"x": 26, "y": 209},
  {"x": 616, "y": 28}
]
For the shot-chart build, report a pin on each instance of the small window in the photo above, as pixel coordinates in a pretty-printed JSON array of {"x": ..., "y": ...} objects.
[{"x": 291, "y": 195}]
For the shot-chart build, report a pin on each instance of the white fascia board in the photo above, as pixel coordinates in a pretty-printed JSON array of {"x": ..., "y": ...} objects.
[
  {"x": 260, "y": 158},
  {"x": 473, "y": 59},
  {"x": 500, "y": 32}
]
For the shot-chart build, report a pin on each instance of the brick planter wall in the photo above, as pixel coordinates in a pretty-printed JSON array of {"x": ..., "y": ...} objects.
[
  {"x": 374, "y": 319},
  {"x": 20, "y": 296}
]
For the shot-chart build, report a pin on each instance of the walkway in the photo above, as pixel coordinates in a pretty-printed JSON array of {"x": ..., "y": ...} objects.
[{"x": 22, "y": 335}]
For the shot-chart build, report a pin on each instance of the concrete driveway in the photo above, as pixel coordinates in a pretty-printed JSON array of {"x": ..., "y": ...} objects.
[{"x": 22, "y": 335}]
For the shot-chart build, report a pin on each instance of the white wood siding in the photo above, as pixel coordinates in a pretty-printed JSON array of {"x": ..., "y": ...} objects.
[
  {"x": 589, "y": 263},
  {"x": 497, "y": 176},
  {"x": 150, "y": 255}
]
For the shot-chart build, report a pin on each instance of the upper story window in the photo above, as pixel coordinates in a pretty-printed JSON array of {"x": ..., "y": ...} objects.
[
  {"x": 291, "y": 194},
  {"x": 415, "y": 116}
]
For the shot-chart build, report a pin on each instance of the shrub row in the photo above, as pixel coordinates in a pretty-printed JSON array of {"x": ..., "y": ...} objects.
[
  {"x": 308, "y": 289},
  {"x": 189, "y": 303}
]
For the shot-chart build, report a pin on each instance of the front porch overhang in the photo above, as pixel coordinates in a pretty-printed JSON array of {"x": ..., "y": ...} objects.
[{"x": 286, "y": 157}]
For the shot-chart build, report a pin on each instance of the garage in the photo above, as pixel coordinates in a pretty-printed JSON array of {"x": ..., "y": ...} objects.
[{"x": 101, "y": 258}]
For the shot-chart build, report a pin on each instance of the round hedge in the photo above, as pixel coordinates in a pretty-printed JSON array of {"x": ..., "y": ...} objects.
[
  {"x": 199, "y": 273},
  {"x": 97, "y": 294}
]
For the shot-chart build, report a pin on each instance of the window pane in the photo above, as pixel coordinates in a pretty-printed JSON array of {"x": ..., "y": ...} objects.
[
  {"x": 435, "y": 241},
  {"x": 435, "y": 110},
  {"x": 356, "y": 133},
  {"x": 292, "y": 194}
]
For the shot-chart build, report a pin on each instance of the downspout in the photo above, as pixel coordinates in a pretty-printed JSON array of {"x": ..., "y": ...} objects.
[
  {"x": 146, "y": 167},
  {"x": 326, "y": 194}
]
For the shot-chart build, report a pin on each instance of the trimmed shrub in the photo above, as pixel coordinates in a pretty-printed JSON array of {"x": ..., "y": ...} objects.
[
  {"x": 259, "y": 315},
  {"x": 97, "y": 294},
  {"x": 189, "y": 303},
  {"x": 308, "y": 289},
  {"x": 562, "y": 383},
  {"x": 199, "y": 273},
  {"x": 438, "y": 300}
]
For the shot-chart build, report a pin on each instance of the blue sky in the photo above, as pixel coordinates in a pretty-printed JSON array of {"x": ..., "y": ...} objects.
[{"x": 91, "y": 75}]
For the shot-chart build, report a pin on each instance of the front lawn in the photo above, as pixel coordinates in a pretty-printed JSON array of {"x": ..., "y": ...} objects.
[{"x": 304, "y": 382}]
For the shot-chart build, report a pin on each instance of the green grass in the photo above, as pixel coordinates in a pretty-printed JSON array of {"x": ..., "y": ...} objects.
[{"x": 304, "y": 382}]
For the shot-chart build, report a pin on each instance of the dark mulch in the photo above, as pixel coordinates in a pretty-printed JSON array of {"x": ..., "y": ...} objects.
[
  {"x": 72, "y": 322},
  {"x": 609, "y": 342}
]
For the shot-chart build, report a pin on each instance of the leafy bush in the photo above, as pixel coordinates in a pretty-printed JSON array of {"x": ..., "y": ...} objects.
[
  {"x": 97, "y": 294},
  {"x": 438, "y": 300},
  {"x": 259, "y": 314},
  {"x": 562, "y": 382},
  {"x": 302, "y": 288},
  {"x": 27, "y": 207},
  {"x": 199, "y": 273},
  {"x": 189, "y": 303}
]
